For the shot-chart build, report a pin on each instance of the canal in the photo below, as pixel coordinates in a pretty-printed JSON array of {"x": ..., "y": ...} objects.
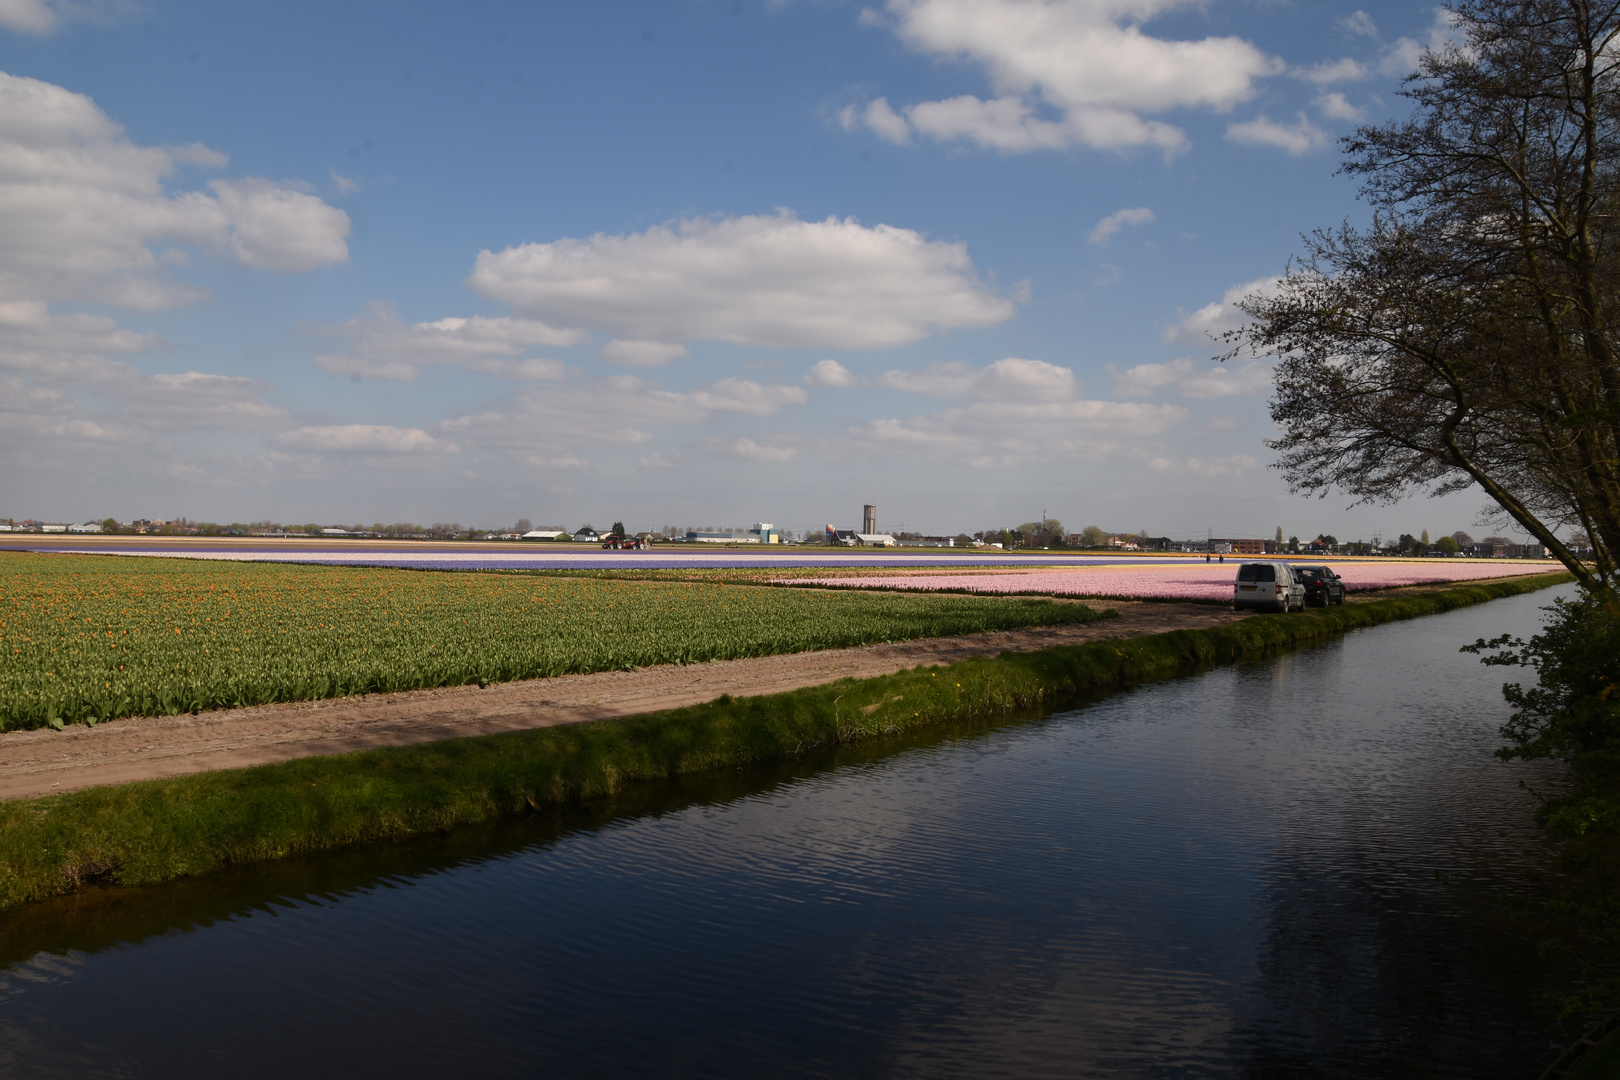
[{"x": 1290, "y": 868}]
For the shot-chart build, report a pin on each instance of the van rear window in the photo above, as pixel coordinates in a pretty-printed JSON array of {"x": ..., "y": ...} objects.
[{"x": 1257, "y": 572}]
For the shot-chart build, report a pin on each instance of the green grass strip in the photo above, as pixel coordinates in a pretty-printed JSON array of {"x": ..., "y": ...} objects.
[{"x": 152, "y": 831}]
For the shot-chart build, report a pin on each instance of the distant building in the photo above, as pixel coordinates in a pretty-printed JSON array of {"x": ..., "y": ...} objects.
[
  {"x": 763, "y": 532},
  {"x": 867, "y": 537},
  {"x": 87, "y": 527},
  {"x": 587, "y": 536},
  {"x": 53, "y": 528},
  {"x": 1239, "y": 547},
  {"x": 545, "y": 534},
  {"x": 721, "y": 536}
]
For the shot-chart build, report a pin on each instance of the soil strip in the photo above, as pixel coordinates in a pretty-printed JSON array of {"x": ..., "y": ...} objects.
[{"x": 46, "y": 762}]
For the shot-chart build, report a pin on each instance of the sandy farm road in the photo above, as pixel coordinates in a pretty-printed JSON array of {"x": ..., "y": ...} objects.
[{"x": 44, "y": 762}]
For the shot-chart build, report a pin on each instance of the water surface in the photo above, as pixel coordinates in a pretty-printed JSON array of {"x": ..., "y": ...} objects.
[{"x": 1284, "y": 869}]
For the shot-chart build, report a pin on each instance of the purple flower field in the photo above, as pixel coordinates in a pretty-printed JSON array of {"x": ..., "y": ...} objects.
[
  {"x": 505, "y": 557},
  {"x": 1156, "y": 577}
]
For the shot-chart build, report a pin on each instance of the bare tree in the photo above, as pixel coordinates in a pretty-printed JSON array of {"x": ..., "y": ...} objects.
[{"x": 1467, "y": 335}]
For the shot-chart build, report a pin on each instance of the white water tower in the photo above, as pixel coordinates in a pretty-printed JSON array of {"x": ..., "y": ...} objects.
[{"x": 868, "y": 519}]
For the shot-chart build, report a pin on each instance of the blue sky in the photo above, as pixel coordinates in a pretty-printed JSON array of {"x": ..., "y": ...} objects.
[{"x": 688, "y": 262}]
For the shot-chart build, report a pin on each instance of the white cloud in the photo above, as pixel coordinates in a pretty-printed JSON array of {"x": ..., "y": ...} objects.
[
  {"x": 829, "y": 373},
  {"x": 137, "y": 412},
  {"x": 1402, "y": 56},
  {"x": 1338, "y": 108},
  {"x": 272, "y": 227},
  {"x": 383, "y": 347},
  {"x": 1401, "y": 59},
  {"x": 32, "y": 336},
  {"x": 1012, "y": 126},
  {"x": 1108, "y": 226},
  {"x": 1300, "y": 137},
  {"x": 362, "y": 438},
  {"x": 1206, "y": 325},
  {"x": 1348, "y": 69},
  {"x": 747, "y": 396},
  {"x": 657, "y": 460},
  {"x": 203, "y": 157},
  {"x": 28, "y": 16},
  {"x": 749, "y": 450},
  {"x": 360, "y": 367},
  {"x": 1358, "y": 23},
  {"x": 641, "y": 353},
  {"x": 945, "y": 380},
  {"x": 1191, "y": 379},
  {"x": 200, "y": 401},
  {"x": 1005, "y": 433},
  {"x": 81, "y": 207},
  {"x": 1087, "y": 64},
  {"x": 616, "y": 411},
  {"x": 766, "y": 280},
  {"x": 880, "y": 117},
  {"x": 1008, "y": 379},
  {"x": 564, "y": 462},
  {"x": 345, "y": 185},
  {"x": 1200, "y": 465}
]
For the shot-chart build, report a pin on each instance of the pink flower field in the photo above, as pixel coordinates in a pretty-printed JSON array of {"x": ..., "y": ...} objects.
[{"x": 1179, "y": 580}]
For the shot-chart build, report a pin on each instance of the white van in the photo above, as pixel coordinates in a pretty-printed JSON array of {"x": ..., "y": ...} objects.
[{"x": 1269, "y": 586}]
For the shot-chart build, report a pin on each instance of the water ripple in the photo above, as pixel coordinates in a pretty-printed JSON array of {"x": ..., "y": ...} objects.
[{"x": 1251, "y": 873}]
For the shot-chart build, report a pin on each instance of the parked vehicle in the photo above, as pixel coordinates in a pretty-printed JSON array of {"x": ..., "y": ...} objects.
[
  {"x": 1268, "y": 586},
  {"x": 614, "y": 542},
  {"x": 1322, "y": 586}
]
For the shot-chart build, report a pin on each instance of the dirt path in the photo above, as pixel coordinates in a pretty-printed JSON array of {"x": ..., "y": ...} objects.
[{"x": 44, "y": 762}]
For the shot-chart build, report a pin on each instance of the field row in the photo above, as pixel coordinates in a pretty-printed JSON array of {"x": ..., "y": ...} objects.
[
  {"x": 88, "y": 638},
  {"x": 1169, "y": 580}
]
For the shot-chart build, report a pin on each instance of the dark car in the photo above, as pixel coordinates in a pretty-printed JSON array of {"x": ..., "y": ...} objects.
[{"x": 1322, "y": 586}]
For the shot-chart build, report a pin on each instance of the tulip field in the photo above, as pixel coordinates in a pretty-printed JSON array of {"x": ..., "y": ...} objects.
[
  {"x": 86, "y": 638},
  {"x": 1178, "y": 579}
]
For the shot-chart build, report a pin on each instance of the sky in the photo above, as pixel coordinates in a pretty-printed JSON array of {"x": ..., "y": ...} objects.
[{"x": 690, "y": 262}]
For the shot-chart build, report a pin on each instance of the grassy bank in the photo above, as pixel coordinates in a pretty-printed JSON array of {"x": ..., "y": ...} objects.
[{"x": 158, "y": 830}]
